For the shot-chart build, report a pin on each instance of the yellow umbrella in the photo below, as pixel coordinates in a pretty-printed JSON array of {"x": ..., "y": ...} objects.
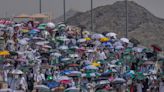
[
  {"x": 104, "y": 39},
  {"x": 96, "y": 64},
  {"x": 87, "y": 39},
  {"x": 4, "y": 53},
  {"x": 24, "y": 30}
]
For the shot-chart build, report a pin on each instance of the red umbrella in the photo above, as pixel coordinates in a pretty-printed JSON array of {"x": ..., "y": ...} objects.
[
  {"x": 73, "y": 65},
  {"x": 65, "y": 81},
  {"x": 156, "y": 47}
]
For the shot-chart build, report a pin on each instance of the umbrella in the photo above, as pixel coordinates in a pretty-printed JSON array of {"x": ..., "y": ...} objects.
[
  {"x": 97, "y": 36},
  {"x": 74, "y": 73},
  {"x": 56, "y": 54},
  {"x": 42, "y": 43},
  {"x": 65, "y": 59},
  {"x": 2, "y": 25},
  {"x": 111, "y": 34},
  {"x": 32, "y": 32},
  {"x": 72, "y": 89},
  {"x": 103, "y": 82},
  {"x": 47, "y": 46},
  {"x": 89, "y": 75},
  {"x": 62, "y": 38},
  {"x": 81, "y": 40},
  {"x": 6, "y": 90},
  {"x": 90, "y": 51},
  {"x": 53, "y": 84},
  {"x": 51, "y": 25},
  {"x": 73, "y": 65},
  {"x": 126, "y": 40},
  {"x": 42, "y": 26},
  {"x": 74, "y": 55},
  {"x": 63, "y": 47},
  {"x": 104, "y": 39},
  {"x": 96, "y": 64},
  {"x": 90, "y": 67},
  {"x": 16, "y": 72},
  {"x": 42, "y": 87},
  {"x": 23, "y": 42},
  {"x": 4, "y": 53},
  {"x": 87, "y": 39},
  {"x": 148, "y": 63},
  {"x": 137, "y": 49},
  {"x": 118, "y": 81}
]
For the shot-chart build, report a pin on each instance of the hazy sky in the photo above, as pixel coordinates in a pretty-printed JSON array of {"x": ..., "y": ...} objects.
[{"x": 55, "y": 7}]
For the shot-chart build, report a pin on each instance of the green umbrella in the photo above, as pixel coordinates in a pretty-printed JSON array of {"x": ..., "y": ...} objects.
[{"x": 140, "y": 76}]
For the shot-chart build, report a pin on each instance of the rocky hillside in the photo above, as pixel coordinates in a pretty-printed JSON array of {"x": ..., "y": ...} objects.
[{"x": 142, "y": 24}]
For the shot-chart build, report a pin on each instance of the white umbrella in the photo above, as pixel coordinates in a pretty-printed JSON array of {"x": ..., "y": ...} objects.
[
  {"x": 65, "y": 59},
  {"x": 56, "y": 54},
  {"x": 103, "y": 82},
  {"x": 72, "y": 89},
  {"x": 81, "y": 40},
  {"x": 10, "y": 41},
  {"x": 74, "y": 47},
  {"x": 74, "y": 55},
  {"x": 90, "y": 51},
  {"x": 51, "y": 25},
  {"x": 16, "y": 72},
  {"x": 41, "y": 87},
  {"x": 47, "y": 46},
  {"x": 2, "y": 26},
  {"x": 126, "y": 40},
  {"x": 63, "y": 38},
  {"x": 119, "y": 80},
  {"x": 137, "y": 49},
  {"x": 63, "y": 47},
  {"x": 42, "y": 43},
  {"x": 97, "y": 36},
  {"x": 119, "y": 47},
  {"x": 91, "y": 67},
  {"x": 6, "y": 90},
  {"x": 23, "y": 42},
  {"x": 63, "y": 78},
  {"x": 111, "y": 34}
]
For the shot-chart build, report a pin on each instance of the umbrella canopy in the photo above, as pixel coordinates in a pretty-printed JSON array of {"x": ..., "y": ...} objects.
[
  {"x": 51, "y": 25},
  {"x": 72, "y": 89},
  {"x": 42, "y": 43},
  {"x": 119, "y": 80},
  {"x": 104, "y": 39},
  {"x": 81, "y": 40},
  {"x": 148, "y": 63},
  {"x": 23, "y": 42},
  {"x": 42, "y": 87},
  {"x": 90, "y": 67},
  {"x": 63, "y": 47},
  {"x": 4, "y": 53},
  {"x": 53, "y": 84},
  {"x": 74, "y": 55},
  {"x": 89, "y": 75},
  {"x": 111, "y": 34},
  {"x": 6, "y": 90},
  {"x": 126, "y": 40},
  {"x": 16, "y": 72},
  {"x": 97, "y": 36}
]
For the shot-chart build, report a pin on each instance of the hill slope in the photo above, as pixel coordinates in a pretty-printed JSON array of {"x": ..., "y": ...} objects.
[{"x": 142, "y": 24}]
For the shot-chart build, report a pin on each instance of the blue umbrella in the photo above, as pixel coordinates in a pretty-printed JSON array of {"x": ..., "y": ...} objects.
[
  {"x": 53, "y": 84},
  {"x": 32, "y": 32}
]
